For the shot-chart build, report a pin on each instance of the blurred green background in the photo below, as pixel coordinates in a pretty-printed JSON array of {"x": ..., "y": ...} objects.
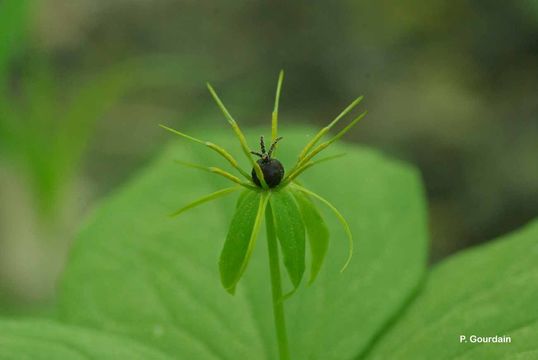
[{"x": 451, "y": 87}]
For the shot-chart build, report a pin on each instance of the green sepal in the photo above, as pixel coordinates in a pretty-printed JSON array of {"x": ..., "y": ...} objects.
[
  {"x": 340, "y": 218},
  {"x": 290, "y": 232},
  {"x": 241, "y": 237},
  {"x": 317, "y": 231}
]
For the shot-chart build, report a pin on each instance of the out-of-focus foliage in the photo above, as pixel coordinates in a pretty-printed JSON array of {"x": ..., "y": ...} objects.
[
  {"x": 47, "y": 130},
  {"x": 450, "y": 85},
  {"x": 47, "y": 119}
]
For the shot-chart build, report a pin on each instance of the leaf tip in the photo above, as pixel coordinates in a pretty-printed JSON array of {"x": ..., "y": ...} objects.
[
  {"x": 230, "y": 290},
  {"x": 313, "y": 276},
  {"x": 167, "y": 128},
  {"x": 348, "y": 260},
  {"x": 288, "y": 295},
  {"x": 175, "y": 214},
  {"x": 211, "y": 90}
]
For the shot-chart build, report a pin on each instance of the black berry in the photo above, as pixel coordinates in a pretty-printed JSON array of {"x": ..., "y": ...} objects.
[{"x": 272, "y": 169}]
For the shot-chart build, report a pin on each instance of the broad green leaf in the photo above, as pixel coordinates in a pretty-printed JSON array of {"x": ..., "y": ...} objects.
[
  {"x": 133, "y": 269},
  {"x": 241, "y": 238},
  {"x": 38, "y": 339},
  {"x": 318, "y": 233},
  {"x": 290, "y": 232},
  {"x": 487, "y": 291}
]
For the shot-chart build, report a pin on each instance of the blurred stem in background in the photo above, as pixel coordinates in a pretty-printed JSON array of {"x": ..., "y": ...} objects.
[{"x": 45, "y": 127}]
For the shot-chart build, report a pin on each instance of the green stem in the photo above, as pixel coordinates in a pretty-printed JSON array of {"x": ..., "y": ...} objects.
[{"x": 276, "y": 287}]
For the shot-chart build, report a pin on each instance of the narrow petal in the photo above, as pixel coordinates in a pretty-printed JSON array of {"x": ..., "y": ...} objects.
[
  {"x": 327, "y": 143},
  {"x": 327, "y": 128},
  {"x": 274, "y": 120},
  {"x": 207, "y": 198},
  {"x": 218, "y": 149},
  {"x": 298, "y": 171},
  {"x": 239, "y": 134},
  {"x": 218, "y": 171}
]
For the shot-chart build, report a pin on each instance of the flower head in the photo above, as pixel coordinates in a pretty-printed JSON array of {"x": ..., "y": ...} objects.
[{"x": 268, "y": 188}]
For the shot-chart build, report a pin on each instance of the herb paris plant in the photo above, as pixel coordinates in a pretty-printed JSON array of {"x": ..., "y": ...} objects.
[{"x": 286, "y": 205}]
